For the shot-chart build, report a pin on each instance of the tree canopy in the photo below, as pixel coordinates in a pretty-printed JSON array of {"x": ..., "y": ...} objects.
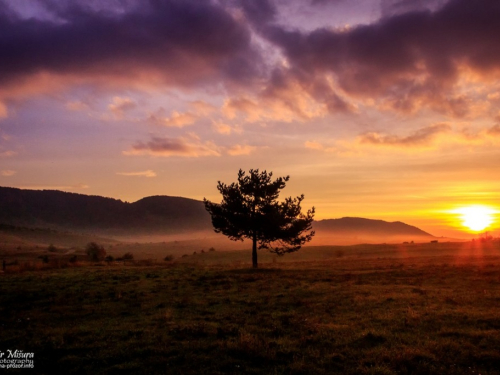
[{"x": 250, "y": 209}]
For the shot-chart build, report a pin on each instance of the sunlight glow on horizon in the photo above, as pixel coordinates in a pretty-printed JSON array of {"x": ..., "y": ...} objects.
[{"x": 476, "y": 217}]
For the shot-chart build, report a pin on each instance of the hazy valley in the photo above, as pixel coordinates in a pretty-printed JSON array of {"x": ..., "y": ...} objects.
[{"x": 67, "y": 219}]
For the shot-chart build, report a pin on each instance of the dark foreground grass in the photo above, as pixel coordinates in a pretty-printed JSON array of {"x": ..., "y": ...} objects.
[{"x": 413, "y": 316}]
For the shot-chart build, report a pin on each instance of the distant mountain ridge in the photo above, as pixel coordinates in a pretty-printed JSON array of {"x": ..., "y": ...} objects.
[
  {"x": 57, "y": 209},
  {"x": 368, "y": 226},
  {"x": 158, "y": 215},
  {"x": 360, "y": 230}
]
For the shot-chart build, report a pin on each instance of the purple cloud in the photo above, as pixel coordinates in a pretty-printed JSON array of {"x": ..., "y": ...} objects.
[
  {"x": 183, "y": 42},
  {"x": 166, "y": 147},
  {"x": 406, "y": 61},
  {"x": 413, "y": 58}
]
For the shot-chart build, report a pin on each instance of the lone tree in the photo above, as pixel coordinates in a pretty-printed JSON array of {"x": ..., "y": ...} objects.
[{"x": 250, "y": 209}]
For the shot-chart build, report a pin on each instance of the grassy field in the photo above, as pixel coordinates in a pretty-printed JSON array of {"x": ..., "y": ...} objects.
[{"x": 386, "y": 309}]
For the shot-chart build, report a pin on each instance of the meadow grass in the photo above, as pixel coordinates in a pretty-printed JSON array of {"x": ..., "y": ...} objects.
[{"x": 347, "y": 315}]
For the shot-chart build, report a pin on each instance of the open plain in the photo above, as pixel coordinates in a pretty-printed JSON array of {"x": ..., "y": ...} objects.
[{"x": 365, "y": 309}]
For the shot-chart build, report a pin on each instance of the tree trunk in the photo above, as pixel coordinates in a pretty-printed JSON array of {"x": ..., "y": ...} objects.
[{"x": 254, "y": 250}]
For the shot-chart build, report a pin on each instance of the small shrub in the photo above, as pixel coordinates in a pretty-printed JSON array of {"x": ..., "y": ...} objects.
[
  {"x": 73, "y": 259},
  {"x": 109, "y": 258},
  {"x": 95, "y": 251},
  {"x": 51, "y": 248},
  {"x": 168, "y": 258},
  {"x": 128, "y": 256},
  {"x": 44, "y": 258},
  {"x": 211, "y": 249}
]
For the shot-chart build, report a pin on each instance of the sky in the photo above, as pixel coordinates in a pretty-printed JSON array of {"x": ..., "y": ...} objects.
[{"x": 383, "y": 109}]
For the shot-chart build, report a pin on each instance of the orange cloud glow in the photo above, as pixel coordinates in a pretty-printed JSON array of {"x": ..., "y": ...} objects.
[
  {"x": 422, "y": 137},
  {"x": 121, "y": 105},
  {"x": 240, "y": 150},
  {"x": 149, "y": 173},
  {"x": 226, "y": 129},
  {"x": 8, "y": 173},
  {"x": 176, "y": 119},
  {"x": 3, "y": 110},
  {"x": 313, "y": 145}
]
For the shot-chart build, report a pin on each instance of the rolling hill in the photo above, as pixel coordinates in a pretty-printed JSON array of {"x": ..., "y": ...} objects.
[
  {"x": 61, "y": 210},
  {"x": 348, "y": 230},
  {"x": 165, "y": 215}
]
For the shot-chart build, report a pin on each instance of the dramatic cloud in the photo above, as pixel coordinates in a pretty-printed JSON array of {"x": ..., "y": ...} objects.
[
  {"x": 421, "y": 54},
  {"x": 166, "y": 147},
  {"x": 405, "y": 62},
  {"x": 422, "y": 137},
  {"x": 148, "y": 173},
  {"x": 183, "y": 43}
]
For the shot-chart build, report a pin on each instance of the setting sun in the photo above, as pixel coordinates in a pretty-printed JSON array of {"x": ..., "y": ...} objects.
[{"x": 476, "y": 218}]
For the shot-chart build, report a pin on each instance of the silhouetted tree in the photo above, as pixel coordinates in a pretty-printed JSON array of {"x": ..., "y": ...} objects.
[
  {"x": 95, "y": 251},
  {"x": 250, "y": 209}
]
